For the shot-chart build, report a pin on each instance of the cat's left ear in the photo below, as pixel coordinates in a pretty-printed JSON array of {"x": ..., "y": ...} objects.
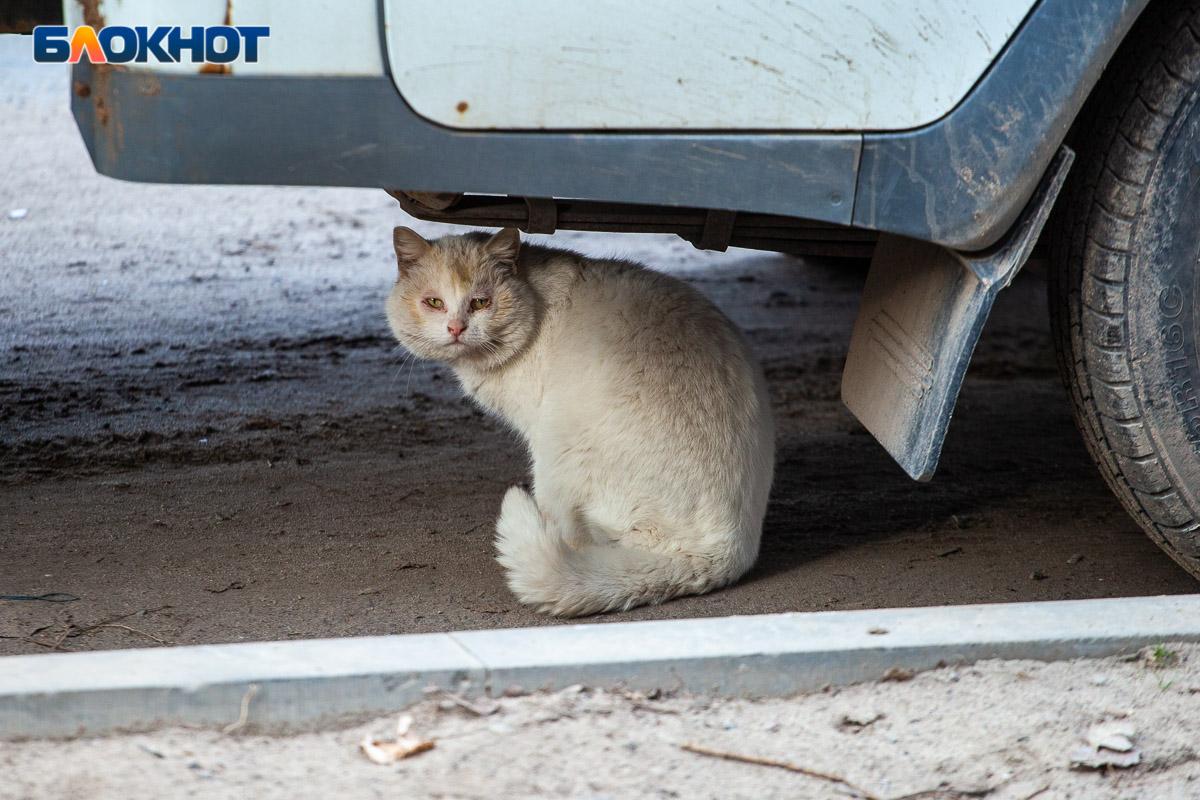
[{"x": 504, "y": 247}]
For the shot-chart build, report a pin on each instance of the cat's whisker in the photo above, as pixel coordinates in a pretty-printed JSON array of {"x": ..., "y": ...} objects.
[
  {"x": 411, "y": 370},
  {"x": 409, "y": 359}
]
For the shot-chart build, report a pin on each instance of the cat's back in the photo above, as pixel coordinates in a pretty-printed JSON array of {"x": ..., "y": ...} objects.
[
  {"x": 636, "y": 310},
  {"x": 620, "y": 330}
]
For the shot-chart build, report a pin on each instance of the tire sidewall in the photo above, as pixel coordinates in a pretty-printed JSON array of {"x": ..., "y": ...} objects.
[{"x": 1162, "y": 295}]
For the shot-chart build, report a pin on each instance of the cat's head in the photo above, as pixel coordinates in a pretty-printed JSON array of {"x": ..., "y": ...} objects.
[{"x": 460, "y": 299}]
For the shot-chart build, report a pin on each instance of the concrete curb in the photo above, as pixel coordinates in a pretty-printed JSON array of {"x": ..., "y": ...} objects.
[{"x": 301, "y": 685}]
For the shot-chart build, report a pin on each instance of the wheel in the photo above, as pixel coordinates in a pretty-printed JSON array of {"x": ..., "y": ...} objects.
[{"x": 1125, "y": 282}]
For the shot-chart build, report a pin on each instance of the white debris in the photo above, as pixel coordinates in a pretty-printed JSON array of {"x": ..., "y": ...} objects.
[
  {"x": 18, "y": 213},
  {"x": 1116, "y": 736},
  {"x": 1109, "y": 745},
  {"x": 1084, "y": 757}
]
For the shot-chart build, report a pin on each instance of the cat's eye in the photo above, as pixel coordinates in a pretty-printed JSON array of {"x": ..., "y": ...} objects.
[
  {"x": 480, "y": 303},
  {"x": 435, "y": 302}
]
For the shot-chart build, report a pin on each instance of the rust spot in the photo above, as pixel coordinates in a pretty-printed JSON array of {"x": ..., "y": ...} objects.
[
  {"x": 106, "y": 118},
  {"x": 82, "y": 89},
  {"x": 91, "y": 13},
  {"x": 462, "y": 106},
  {"x": 220, "y": 69},
  {"x": 148, "y": 85},
  {"x": 98, "y": 90}
]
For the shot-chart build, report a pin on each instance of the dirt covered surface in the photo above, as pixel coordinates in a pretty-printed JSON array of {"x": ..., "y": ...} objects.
[
  {"x": 207, "y": 434},
  {"x": 942, "y": 735}
]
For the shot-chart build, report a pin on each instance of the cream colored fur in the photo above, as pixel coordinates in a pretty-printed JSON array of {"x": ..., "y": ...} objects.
[{"x": 646, "y": 417}]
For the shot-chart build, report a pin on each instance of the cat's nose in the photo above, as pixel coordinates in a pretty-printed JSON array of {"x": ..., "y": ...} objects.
[{"x": 456, "y": 328}]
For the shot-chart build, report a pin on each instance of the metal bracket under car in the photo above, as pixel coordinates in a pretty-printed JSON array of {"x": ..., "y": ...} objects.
[{"x": 922, "y": 311}]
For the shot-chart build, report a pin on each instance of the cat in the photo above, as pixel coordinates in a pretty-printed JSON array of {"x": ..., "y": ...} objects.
[{"x": 645, "y": 415}]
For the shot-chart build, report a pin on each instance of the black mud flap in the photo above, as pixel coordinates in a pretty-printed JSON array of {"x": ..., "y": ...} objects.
[{"x": 922, "y": 311}]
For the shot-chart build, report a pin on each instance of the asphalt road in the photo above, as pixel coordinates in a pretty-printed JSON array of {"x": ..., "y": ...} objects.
[{"x": 207, "y": 435}]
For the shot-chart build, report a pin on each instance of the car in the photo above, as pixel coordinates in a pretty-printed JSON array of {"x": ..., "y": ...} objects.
[{"x": 944, "y": 140}]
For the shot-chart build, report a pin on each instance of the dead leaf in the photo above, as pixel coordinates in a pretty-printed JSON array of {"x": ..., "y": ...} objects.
[{"x": 385, "y": 751}]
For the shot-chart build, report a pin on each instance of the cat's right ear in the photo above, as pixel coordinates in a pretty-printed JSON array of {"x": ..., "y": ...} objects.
[{"x": 410, "y": 247}]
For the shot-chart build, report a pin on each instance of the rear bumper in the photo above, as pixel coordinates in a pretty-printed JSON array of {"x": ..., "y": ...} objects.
[{"x": 960, "y": 182}]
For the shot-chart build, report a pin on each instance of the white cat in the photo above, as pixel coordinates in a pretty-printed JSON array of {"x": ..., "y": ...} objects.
[{"x": 646, "y": 417}]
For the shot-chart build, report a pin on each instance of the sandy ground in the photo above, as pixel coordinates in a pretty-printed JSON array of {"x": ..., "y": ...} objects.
[
  {"x": 206, "y": 434},
  {"x": 998, "y": 730}
]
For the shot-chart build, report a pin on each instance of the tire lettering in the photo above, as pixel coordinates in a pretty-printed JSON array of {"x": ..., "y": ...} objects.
[
  {"x": 1170, "y": 301},
  {"x": 1178, "y": 362},
  {"x": 1175, "y": 366},
  {"x": 1191, "y": 426},
  {"x": 1184, "y": 397},
  {"x": 1172, "y": 336}
]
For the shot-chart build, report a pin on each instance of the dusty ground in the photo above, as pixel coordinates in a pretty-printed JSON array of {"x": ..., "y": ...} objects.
[
  {"x": 206, "y": 434},
  {"x": 941, "y": 736}
]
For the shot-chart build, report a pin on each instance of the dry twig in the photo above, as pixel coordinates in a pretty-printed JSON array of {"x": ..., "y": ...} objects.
[
  {"x": 127, "y": 628},
  {"x": 925, "y": 794},
  {"x": 771, "y": 762},
  {"x": 71, "y": 630},
  {"x": 244, "y": 712}
]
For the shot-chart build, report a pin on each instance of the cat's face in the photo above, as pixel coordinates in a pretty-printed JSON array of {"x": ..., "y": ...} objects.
[{"x": 460, "y": 299}]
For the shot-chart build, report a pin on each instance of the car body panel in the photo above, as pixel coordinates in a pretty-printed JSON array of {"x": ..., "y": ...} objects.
[
  {"x": 356, "y": 132},
  {"x": 671, "y": 65},
  {"x": 959, "y": 182},
  {"x": 963, "y": 181}
]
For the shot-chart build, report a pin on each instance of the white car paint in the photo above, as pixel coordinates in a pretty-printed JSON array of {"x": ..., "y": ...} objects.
[
  {"x": 308, "y": 37},
  {"x": 617, "y": 64},
  {"x": 675, "y": 64}
]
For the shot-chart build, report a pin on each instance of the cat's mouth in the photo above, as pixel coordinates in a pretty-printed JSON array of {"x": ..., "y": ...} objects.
[
  {"x": 456, "y": 349},
  {"x": 463, "y": 351}
]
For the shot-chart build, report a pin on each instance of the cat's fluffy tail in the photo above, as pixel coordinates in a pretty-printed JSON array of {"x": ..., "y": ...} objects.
[{"x": 545, "y": 572}]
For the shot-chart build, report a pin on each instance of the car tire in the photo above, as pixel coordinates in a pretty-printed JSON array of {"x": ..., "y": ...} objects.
[{"x": 1124, "y": 278}]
